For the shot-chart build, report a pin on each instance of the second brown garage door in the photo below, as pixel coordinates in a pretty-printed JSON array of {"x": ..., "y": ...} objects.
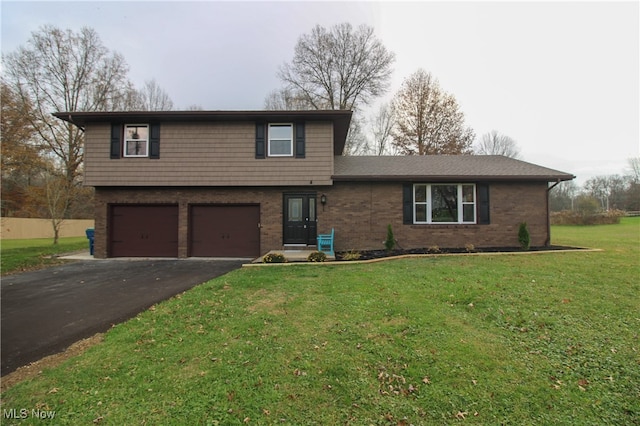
[{"x": 224, "y": 231}]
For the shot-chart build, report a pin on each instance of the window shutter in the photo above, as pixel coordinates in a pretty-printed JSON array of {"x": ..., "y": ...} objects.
[
  {"x": 483, "y": 203},
  {"x": 116, "y": 136},
  {"x": 260, "y": 140},
  {"x": 300, "y": 140},
  {"x": 154, "y": 140},
  {"x": 407, "y": 204}
]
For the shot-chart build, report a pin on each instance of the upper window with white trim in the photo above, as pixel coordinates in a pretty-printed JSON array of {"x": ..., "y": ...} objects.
[
  {"x": 444, "y": 203},
  {"x": 136, "y": 140},
  {"x": 280, "y": 142}
]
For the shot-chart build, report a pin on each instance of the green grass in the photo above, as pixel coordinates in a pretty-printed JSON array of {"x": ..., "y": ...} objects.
[
  {"x": 504, "y": 339},
  {"x": 21, "y": 255}
]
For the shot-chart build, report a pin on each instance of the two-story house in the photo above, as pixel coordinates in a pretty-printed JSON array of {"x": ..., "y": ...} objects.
[{"x": 241, "y": 183}]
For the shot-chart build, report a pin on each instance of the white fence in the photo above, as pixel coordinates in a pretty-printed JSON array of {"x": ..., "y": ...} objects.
[{"x": 15, "y": 228}]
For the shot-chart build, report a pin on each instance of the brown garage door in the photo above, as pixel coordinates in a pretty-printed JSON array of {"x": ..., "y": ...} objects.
[
  {"x": 144, "y": 231},
  {"x": 224, "y": 231}
]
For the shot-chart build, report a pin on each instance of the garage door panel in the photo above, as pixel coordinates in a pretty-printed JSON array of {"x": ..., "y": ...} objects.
[
  {"x": 224, "y": 231},
  {"x": 144, "y": 231}
]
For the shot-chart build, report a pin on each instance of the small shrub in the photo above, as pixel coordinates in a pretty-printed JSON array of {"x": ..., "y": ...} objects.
[
  {"x": 390, "y": 242},
  {"x": 434, "y": 249},
  {"x": 274, "y": 258},
  {"x": 523, "y": 236},
  {"x": 316, "y": 256},
  {"x": 351, "y": 255},
  {"x": 470, "y": 248}
]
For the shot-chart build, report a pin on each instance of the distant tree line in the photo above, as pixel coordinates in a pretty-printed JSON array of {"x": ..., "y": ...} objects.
[{"x": 600, "y": 193}]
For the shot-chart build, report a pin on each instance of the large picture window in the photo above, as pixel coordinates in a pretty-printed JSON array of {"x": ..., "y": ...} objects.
[
  {"x": 136, "y": 140},
  {"x": 280, "y": 140},
  {"x": 444, "y": 203}
]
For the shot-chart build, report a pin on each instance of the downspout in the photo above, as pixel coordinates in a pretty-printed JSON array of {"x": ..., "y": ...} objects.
[{"x": 547, "y": 242}]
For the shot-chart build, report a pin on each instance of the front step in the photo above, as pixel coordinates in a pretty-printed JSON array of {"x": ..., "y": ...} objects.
[{"x": 293, "y": 255}]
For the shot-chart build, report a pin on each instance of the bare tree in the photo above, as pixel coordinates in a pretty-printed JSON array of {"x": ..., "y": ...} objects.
[
  {"x": 50, "y": 197},
  {"x": 66, "y": 71},
  {"x": 633, "y": 169},
  {"x": 286, "y": 99},
  {"x": 153, "y": 98},
  {"x": 357, "y": 143},
  {"x": 494, "y": 143},
  {"x": 382, "y": 126},
  {"x": 339, "y": 67},
  {"x": 429, "y": 120},
  {"x": 58, "y": 194},
  {"x": 609, "y": 189},
  {"x": 194, "y": 107},
  {"x": 336, "y": 68}
]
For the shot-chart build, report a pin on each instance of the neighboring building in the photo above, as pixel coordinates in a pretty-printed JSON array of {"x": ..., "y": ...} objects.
[{"x": 241, "y": 183}]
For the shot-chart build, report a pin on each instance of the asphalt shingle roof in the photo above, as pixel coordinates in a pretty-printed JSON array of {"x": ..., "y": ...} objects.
[{"x": 442, "y": 168}]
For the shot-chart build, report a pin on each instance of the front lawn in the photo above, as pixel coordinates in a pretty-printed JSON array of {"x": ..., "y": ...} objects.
[
  {"x": 506, "y": 339},
  {"x": 29, "y": 254}
]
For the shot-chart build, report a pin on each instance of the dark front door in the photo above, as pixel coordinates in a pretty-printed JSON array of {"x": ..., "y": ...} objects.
[{"x": 300, "y": 224}]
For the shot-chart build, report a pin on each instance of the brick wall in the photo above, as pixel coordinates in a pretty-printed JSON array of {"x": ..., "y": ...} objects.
[{"x": 359, "y": 212}]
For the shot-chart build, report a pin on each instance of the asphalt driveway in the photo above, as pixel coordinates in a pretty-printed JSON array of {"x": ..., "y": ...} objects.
[{"x": 43, "y": 312}]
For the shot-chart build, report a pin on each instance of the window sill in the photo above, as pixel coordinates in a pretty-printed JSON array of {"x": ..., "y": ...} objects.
[{"x": 442, "y": 225}]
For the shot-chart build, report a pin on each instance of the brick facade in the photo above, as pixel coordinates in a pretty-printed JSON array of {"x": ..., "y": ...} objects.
[{"x": 359, "y": 212}]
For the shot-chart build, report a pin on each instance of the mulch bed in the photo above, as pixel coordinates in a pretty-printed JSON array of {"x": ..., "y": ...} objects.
[{"x": 378, "y": 254}]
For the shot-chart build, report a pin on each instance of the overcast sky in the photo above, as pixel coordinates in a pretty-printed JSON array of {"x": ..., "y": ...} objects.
[{"x": 562, "y": 79}]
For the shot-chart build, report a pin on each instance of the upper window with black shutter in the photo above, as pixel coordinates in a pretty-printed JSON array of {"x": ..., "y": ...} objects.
[
  {"x": 136, "y": 140},
  {"x": 280, "y": 140}
]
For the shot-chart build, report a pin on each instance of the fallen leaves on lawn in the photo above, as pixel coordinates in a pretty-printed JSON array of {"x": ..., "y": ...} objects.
[
  {"x": 461, "y": 415},
  {"x": 394, "y": 384}
]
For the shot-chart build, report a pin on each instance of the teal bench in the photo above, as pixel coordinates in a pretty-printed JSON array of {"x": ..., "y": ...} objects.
[{"x": 325, "y": 243}]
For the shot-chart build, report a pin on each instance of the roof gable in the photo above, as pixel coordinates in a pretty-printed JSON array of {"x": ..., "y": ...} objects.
[{"x": 442, "y": 168}]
